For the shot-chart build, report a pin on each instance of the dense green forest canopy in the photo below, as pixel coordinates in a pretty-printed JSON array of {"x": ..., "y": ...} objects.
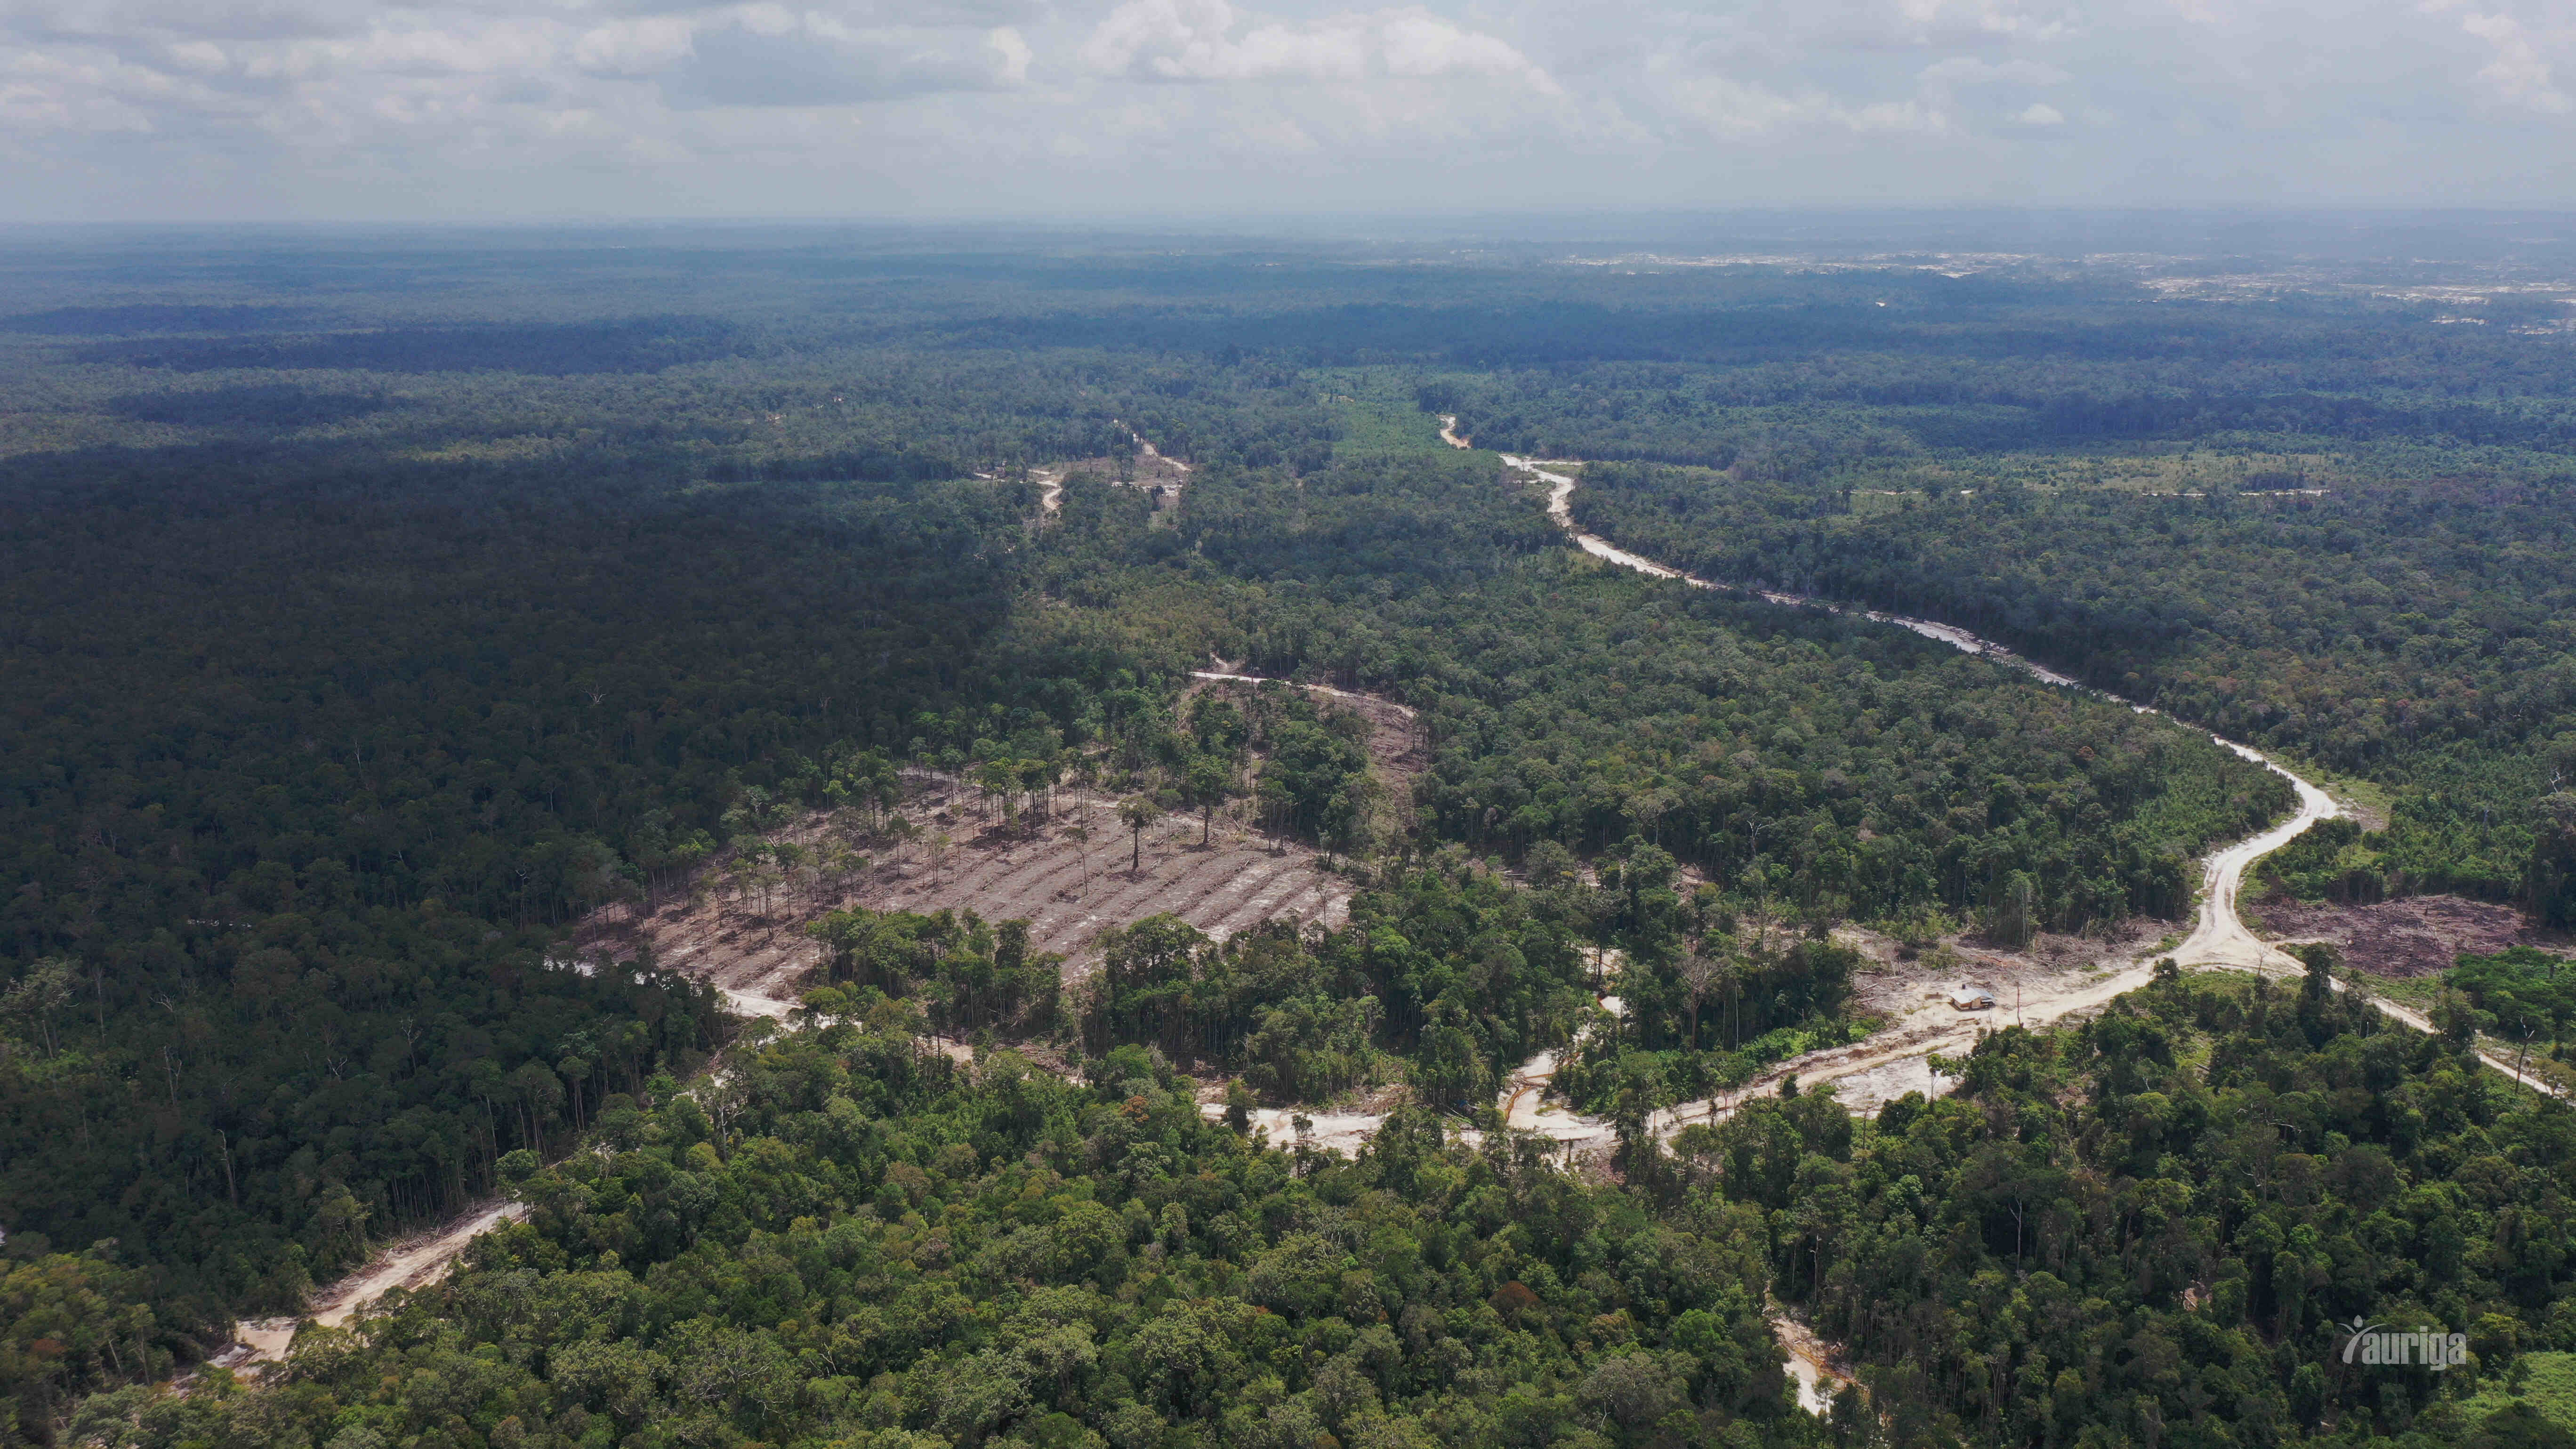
[
  {"x": 2164, "y": 1224},
  {"x": 2415, "y": 633},
  {"x": 2160, "y": 1225},
  {"x": 374, "y": 608},
  {"x": 853, "y": 1244}
]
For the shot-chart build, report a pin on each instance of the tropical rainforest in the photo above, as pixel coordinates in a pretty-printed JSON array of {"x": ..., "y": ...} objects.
[{"x": 375, "y": 614}]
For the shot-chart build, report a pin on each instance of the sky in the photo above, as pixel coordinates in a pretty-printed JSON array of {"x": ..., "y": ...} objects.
[{"x": 545, "y": 110}]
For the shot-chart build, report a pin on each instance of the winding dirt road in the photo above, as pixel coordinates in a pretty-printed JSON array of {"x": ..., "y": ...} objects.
[
  {"x": 2219, "y": 937},
  {"x": 1893, "y": 1060}
]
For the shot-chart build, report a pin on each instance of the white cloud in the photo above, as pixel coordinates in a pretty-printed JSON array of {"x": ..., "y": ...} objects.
[
  {"x": 643, "y": 46},
  {"x": 2520, "y": 74},
  {"x": 1204, "y": 40},
  {"x": 749, "y": 105},
  {"x": 1977, "y": 70},
  {"x": 767, "y": 55},
  {"x": 1726, "y": 108}
]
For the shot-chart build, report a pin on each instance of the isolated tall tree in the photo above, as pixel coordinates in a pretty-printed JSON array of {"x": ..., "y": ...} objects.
[
  {"x": 1209, "y": 783},
  {"x": 1136, "y": 812},
  {"x": 1080, "y": 835},
  {"x": 1699, "y": 973}
]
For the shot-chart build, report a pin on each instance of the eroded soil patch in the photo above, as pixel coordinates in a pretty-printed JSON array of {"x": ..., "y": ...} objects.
[
  {"x": 2416, "y": 936},
  {"x": 1041, "y": 872}
]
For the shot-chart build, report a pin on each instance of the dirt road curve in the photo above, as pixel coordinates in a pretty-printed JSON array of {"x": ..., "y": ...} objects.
[
  {"x": 2219, "y": 937},
  {"x": 413, "y": 1263},
  {"x": 1889, "y": 1062}
]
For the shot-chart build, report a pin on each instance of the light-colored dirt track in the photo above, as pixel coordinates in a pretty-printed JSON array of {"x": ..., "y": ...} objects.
[
  {"x": 1812, "y": 1363},
  {"x": 1884, "y": 1069},
  {"x": 2219, "y": 936},
  {"x": 1239, "y": 880},
  {"x": 1895, "y": 1060},
  {"x": 415, "y": 1262}
]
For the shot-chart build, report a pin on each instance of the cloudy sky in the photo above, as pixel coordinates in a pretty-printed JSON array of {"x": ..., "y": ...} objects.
[{"x": 377, "y": 109}]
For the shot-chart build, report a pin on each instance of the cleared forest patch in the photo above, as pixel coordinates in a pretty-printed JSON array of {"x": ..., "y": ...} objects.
[
  {"x": 1071, "y": 872},
  {"x": 1068, "y": 888},
  {"x": 2411, "y": 936}
]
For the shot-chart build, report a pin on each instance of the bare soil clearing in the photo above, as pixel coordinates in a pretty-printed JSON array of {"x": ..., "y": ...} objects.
[
  {"x": 2415, "y": 936},
  {"x": 1039, "y": 870},
  {"x": 1069, "y": 893},
  {"x": 1067, "y": 890}
]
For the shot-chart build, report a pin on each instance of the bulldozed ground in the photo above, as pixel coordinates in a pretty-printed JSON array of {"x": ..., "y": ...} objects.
[
  {"x": 1067, "y": 888},
  {"x": 2413, "y": 936},
  {"x": 1071, "y": 873}
]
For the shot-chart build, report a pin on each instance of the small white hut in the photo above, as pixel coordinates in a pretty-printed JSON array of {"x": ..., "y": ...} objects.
[{"x": 1970, "y": 997}]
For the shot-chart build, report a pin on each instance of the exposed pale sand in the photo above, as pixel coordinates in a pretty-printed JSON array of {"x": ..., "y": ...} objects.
[
  {"x": 748, "y": 1003},
  {"x": 416, "y": 1262},
  {"x": 1333, "y": 1131},
  {"x": 2219, "y": 937},
  {"x": 1811, "y": 1362},
  {"x": 1323, "y": 689}
]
